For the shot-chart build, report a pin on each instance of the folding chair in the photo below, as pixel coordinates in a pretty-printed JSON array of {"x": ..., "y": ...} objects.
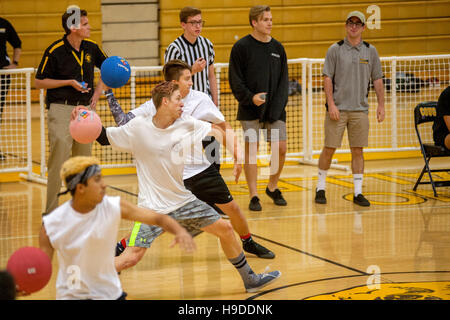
[{"x": 426, "y": 112}]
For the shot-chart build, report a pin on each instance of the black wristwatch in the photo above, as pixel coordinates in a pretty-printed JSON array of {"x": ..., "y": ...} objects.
[{"x": 16, "y": 62}]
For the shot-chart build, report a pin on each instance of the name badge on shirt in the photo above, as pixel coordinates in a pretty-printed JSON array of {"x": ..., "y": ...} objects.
[
  {"x": 2, "y": 30},
  {"x": 364, "y": 61},
  {"x": 275, "y": 55}
]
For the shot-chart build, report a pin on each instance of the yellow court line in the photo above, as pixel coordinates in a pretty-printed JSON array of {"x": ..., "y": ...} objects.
[
  {"x": 410, "y": 199},
  {"x": 445, "y": 197}
]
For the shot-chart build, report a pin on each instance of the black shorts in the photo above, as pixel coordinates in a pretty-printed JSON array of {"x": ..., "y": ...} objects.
[{"x": 209, "y": 186}]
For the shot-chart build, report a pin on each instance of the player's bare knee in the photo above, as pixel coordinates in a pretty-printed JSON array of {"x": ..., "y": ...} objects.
[
  {"x": 357, "y": 151},
  {"x": 226, "y": 229},
  {"x": 231, "y": 208},
  {"x": 282, "y": 148}
]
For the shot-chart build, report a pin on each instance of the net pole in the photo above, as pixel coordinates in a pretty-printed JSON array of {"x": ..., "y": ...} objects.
[
  {"x": 306, "y": 146},
  {"x": 310, "y": 113},
  {"x": 394, "y": 103},
  {"x": 28, "y": 121},
  {"x": 42, "y": 127},
  {"x": 218, "y": 71},
  {"x": 133, "y": 88}
]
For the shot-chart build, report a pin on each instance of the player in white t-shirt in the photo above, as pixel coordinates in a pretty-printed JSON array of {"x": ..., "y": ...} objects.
[
  {"x": 200, "y": 176},
  {"x": 159, "y": 145},
  {"x": 84, "y": 230}
]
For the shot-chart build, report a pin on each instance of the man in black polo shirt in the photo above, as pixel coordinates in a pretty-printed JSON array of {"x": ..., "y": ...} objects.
[
  {"x": 7, "y": 34},
  {"x": 67, "y": 64},
  {"x": 441, "y": 125}
]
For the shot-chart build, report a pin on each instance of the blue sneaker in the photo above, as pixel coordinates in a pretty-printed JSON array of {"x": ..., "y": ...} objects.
[{"x": 261, "y": 280}]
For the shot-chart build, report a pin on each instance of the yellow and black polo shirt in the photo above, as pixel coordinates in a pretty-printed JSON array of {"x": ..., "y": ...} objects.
[{"x": 62, "y": 62}]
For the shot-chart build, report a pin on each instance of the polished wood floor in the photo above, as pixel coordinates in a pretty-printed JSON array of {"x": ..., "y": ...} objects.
[{"x": 398, "y": 248}]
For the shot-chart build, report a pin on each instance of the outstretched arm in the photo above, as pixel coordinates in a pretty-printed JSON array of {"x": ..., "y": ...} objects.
[
  {"x": 120, "y": 117},
  {"x": 224, "y": 133},
  {"x": 44, "y": 242}
]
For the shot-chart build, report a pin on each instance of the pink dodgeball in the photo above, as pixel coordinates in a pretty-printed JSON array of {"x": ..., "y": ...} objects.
[{"x": 86, "y": 126}]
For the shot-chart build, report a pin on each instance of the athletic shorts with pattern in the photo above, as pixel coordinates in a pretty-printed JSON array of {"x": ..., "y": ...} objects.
[{"x": 193, "y": 216}]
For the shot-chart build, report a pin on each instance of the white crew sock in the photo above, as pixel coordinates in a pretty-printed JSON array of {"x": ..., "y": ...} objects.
[
  {"x": 321, "y": 179},
  {"x": 357, "y": 182}
]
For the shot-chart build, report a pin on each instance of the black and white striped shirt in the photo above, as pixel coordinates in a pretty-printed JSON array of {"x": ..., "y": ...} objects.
[{"x": 182, "y": 49}]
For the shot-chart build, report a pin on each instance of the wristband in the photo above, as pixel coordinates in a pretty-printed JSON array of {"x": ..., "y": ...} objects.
[{"x": 108, "y": 92}]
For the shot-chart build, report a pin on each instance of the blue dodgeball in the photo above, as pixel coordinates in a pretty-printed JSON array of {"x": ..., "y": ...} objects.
[{"x": 115, "y": 71}]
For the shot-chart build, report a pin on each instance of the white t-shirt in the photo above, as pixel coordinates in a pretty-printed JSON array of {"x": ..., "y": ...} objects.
[
  {"x": 200, "y": 106},
  {"x": 160, "y": 156},
  {"x": 85, "y": 245}
]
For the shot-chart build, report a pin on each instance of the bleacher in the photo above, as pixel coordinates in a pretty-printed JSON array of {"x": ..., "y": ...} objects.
[{"x": 308, "y": 28}]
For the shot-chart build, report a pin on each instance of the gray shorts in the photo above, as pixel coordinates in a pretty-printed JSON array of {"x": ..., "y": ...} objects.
[
  {"x": 192, "y": 216},
  {"x": 275, "y": 131}
]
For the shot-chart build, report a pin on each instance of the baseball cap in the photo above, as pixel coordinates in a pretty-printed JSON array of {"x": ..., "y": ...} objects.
[{"x": 357, "y": 14}]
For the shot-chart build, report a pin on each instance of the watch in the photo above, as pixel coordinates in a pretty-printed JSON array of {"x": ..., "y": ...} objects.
[{"x": 16, "y": 62}]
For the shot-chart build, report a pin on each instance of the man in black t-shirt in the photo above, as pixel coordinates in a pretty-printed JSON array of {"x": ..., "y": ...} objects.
[
  {"x": 7, "y": 34},
  {"x": 67, "y": 72},
  {"x": 441, "y": 125},
  {"x": 258, "y": 76}
]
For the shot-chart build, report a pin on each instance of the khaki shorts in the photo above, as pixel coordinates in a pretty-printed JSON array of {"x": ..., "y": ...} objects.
[
  {"x": 275, "y": 131},
  {"x": 357, "y": 124}
]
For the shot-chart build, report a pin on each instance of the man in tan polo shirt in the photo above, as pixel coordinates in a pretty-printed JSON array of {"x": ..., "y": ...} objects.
[{"x": 349, "y": 66}]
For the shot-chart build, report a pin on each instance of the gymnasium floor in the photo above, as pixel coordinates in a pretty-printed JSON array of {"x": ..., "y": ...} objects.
[{"x": 398, "y": 248}]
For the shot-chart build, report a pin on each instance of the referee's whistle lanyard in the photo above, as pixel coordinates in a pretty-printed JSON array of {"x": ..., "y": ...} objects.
[{"x": 80, "y": 62}]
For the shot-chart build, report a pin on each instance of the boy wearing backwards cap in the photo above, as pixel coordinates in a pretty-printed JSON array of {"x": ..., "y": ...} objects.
[{"x": 84, "y": 230}]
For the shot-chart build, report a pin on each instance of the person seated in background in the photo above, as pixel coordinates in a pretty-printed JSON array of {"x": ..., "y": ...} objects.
[{"x": 441, "y": 125}]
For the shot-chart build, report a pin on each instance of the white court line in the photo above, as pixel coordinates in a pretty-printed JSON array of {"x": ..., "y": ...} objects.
[{"x": 344, "y": 212}]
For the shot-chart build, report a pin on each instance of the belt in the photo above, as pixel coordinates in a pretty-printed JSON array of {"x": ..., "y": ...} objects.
[{"x": 72, "y": 102}]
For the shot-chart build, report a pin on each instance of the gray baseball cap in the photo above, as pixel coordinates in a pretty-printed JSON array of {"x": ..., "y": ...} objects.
[{"x": 358, "y": 15}]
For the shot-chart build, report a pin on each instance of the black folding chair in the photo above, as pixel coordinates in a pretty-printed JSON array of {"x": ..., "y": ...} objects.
[{"x": 426, "y": 112}]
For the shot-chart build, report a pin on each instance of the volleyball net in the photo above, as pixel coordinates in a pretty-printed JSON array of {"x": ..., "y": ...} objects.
[
  {"x": 15, "y": 120},
  {"x": 408, "y": 80}
]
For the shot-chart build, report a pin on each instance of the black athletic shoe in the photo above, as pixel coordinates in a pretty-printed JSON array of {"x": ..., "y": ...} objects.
[
  {"x": 254, "y": 204},
  {"x": 320, "y": 197},
  {"x": 276, "y": 196},
  {"x": 119, "y": 248},
  {"x": 361, "y": 201},
  {"x": 2, "y": 156},
  {"x": 251, "y": 246}
]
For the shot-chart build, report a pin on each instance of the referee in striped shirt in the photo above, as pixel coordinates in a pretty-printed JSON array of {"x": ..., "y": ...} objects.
[
  {"x": 195, "y": 50},
  {"x": 198, "y": 52}
]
